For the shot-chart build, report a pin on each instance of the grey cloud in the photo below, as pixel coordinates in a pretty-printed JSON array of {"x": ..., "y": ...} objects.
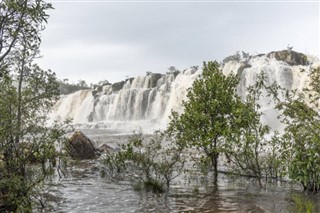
[{"x": 152, "y": 36}]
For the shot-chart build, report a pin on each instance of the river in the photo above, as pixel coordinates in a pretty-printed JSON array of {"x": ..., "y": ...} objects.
[{"x": 84, "y": 190}]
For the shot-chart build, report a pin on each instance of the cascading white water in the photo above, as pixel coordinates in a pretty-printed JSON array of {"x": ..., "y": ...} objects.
[
  {"x": 75, "y": 106},
  {"x": 147, "y": 101},
  {"x": 287, "y": 76}
]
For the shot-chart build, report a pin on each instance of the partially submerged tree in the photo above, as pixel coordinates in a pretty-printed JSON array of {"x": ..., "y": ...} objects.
[
  {"x": 150, "y": 163},
  {"x": 27, "y": 94},
  {"x": 300, "y": 113},
  {"x": 250, "y": 151},
  {"x": 209, "y": 114}
]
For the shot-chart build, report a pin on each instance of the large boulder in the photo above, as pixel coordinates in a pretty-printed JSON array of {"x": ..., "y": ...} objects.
[
  {"x": 289, "y": 56},
  {"x": 79, "y": 146}
]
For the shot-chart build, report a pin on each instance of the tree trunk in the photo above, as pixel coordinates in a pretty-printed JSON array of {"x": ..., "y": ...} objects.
[
  {"x": 21, "y": 70},
  {"x": 214, "y": 162}
]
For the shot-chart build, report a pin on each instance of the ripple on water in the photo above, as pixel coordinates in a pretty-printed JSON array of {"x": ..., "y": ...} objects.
[{"x": 85, "y": 191}]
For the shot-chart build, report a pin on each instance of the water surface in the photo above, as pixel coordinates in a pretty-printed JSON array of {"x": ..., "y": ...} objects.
[{"x": 84, "y": 190}]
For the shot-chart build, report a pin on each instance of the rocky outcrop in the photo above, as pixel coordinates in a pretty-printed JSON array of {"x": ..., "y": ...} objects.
[
  {"x": 291, "y": 57},
  {"x": 79, "y": 146},
  {"x": 243, "y": 65},
  {"x": 118, "y": 86},
  {"x": 154, "y": 79}
]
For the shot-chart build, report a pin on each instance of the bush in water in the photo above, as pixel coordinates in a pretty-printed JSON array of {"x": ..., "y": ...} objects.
[{"x": 150, "y": 163}]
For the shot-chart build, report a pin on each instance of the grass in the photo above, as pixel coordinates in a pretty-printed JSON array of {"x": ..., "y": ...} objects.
[{"x": 302, "y": 204}]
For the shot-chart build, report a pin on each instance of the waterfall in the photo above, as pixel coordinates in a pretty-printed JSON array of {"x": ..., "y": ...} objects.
[
  {"x": 147, "y": 101},
  {"x": 276, "y": 71},
  {"x": 144, "y": 101}
]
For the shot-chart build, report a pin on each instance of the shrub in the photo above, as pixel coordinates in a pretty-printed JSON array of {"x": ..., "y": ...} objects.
[{"x": 149, "y": 163}]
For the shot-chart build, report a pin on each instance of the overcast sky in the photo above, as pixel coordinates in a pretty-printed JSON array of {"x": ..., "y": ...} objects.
[{"x": 105, "y": 40}]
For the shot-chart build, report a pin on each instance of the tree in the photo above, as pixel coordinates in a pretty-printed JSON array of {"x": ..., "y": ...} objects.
[
  {"x": 250, "y": 151},
  {"x": 20, "y": 21},
  {"x": 26, "y": 144},
  {"x": 173, "y": 70},
  {"x": 27, "y": 94},
  {"x": 300, "y": 113},
  {"x": 150, "y": 163},
  {"x": 82, "y": 83},
  {"x": 66, "y": 88},
  {"x": 209, "y": 114},
  {"x": 314, "y": 84}
]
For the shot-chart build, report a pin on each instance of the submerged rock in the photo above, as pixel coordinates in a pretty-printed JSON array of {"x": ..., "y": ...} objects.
[
  {"x": 106, "y": 148},
  {"x": 291, "y": 57},
  {"x": 79, "y": 146}
]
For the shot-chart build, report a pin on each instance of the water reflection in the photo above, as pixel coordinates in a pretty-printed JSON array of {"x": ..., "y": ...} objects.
[{"x": 85, "y": 191}]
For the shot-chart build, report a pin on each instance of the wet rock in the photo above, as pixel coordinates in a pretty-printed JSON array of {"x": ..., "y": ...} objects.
[
  {"x": 260, "y": 55},
  {"x": 79, "y": 146},
  {"x": 289, "y": 56},
  {"x": 154, "y": 79},
  {"x": 117, "y": 86},
  {"x": 243, "y": 65},
  {"x": 106, "y": 148}
]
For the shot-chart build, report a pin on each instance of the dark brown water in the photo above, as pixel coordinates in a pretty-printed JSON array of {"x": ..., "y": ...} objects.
[{"x": 83, "y": 190}]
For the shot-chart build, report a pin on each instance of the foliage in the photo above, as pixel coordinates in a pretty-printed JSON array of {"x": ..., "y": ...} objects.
[
  {"x": 66, "y": 88},
  {"x": 24, "y": 137},
  {"x": 151, "y": 164},
  {"x": 27, "y": 93},
  {"x": 250, "y": 151},
  {"x": 209, "y": 114},
  {"x": 300, "y": 113},
  {"x": 303, "y": 135},
  {"x": 302, "y": 204},
  {"x": 20, "y": 25},
  {"x": 173, "y": 70},
  {"x": 314, "y": 84}
]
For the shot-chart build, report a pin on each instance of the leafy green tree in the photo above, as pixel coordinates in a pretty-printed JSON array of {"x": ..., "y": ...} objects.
[
  {"x": 249, "y": 150},
  {"x": 67, "y": 88},
  {"x": 314, "y": 84},
  {"x": 209, "y": 114},
  {"x": 21, "y": 21},
  {"x": 25, "y": 139},
  {"x": 300, "y": 113},
  {"x": 82, "y": 83},
  {"x": 27, "y": 94},
  {"x": 150, "y": 163}
]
